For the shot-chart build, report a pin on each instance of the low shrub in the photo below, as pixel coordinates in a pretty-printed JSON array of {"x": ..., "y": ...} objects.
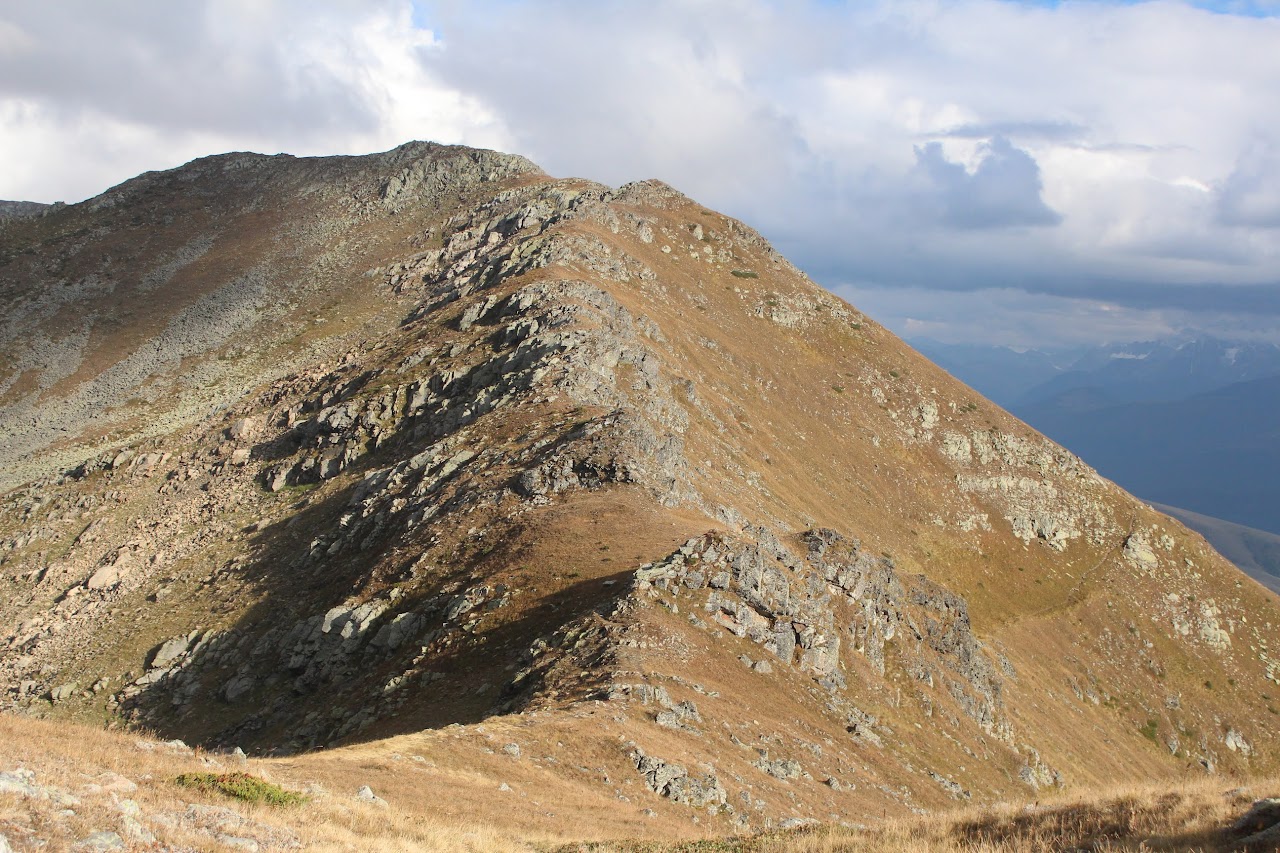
[{"x": 241, "y": 786}]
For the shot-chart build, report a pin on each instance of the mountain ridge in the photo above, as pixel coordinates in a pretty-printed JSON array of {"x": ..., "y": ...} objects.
[{"x": 597, "y": 460}]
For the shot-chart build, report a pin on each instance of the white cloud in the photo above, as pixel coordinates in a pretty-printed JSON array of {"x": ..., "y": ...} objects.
[
  {"x": 102, "y": 92},
  {"x": 1108, "y": 153}
]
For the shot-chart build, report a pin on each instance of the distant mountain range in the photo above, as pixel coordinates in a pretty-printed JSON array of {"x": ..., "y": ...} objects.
[{"x": 1146, "y": 371}]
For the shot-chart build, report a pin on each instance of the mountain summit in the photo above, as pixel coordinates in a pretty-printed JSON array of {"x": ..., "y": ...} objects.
[{"x": 313, "y": 452}]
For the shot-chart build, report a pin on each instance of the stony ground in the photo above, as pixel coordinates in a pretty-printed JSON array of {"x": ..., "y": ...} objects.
[{"x": 431, "y": 445}]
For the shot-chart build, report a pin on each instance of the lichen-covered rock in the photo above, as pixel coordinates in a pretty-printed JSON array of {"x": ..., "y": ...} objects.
[
  {"x": 676, "y": 783},
  {"x": 1138, "y": 550}
]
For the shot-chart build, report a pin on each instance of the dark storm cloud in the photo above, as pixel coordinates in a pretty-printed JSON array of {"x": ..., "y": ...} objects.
[{"x": 1003, "y": 191}]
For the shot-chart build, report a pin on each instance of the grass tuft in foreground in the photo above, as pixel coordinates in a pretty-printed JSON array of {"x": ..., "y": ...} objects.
[{"x": 243, "y": 787}]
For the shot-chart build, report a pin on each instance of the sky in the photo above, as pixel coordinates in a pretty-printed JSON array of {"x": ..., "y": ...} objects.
[{"x": 1021, "y": 173}]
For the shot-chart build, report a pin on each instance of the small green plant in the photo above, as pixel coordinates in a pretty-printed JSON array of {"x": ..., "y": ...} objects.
[
  {"x": 241, "y": 786},
  {"x": 895, "y": 374},
  {"x": 839, "y": 389},
  {"x": 744, "y": 274},
  {"x": 1150, "y": 729}
]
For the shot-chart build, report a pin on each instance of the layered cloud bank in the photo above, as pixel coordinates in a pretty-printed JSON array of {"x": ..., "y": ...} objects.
[{"x": 970, "y": 170}]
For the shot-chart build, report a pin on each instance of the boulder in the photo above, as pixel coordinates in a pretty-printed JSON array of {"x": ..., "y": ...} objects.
[{"x": 169, "y": 651}]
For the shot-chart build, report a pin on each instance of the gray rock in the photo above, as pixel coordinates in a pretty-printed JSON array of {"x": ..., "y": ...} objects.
[
  {"x": 169, "y": 651},
  {"x": 1038, "y": 774},
  {"x": 950, "y": 786},
  {"x": 243, "y": 429},
  {"x": 20, "y": 782},
  {"x": 134, "y": 830},
  {"x": 678, "y": 716},
  {"x": 100, "y": 841},
  {"x": 675, "y": 783},
  {"x": 1237, "y": 743},
  {"x": 1137, "y": 550},
  {"x": 112, "y": 573},
  {"x": 512, "y": 749},
  {"x": 236, "y": 687},
  {"x": 366, "y": 795},
  {"x": 781, "y": 768},
  {"x": 63, "y": 691},
  {"x": 399, "y": 630}
]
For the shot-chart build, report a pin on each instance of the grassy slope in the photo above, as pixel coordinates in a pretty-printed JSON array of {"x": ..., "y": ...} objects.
[
  {"x": 803, "y": 413},
  {"x": 444, "y": 792}
]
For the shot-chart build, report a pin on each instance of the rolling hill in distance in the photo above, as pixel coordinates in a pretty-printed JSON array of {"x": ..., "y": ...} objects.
[{"x": 572, "y": 511}]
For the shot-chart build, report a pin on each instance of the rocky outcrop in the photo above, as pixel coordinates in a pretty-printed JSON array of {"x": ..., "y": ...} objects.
[
  {"x": 805, "y": 610},
  {"x": 21, "y": 209},
  {"x": 677, "y": 784}
]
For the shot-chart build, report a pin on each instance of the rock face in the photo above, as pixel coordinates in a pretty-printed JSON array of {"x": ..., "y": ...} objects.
[
  {"x": 677, "y": 784},
  {"x": 20, "y": 209},
  {"x": 518, "y": 444}
]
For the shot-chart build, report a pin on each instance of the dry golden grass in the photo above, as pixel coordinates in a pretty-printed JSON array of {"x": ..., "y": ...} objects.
[
  {"x": 1193, "y": 816},
  {"x": 92, "y": 765}
]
